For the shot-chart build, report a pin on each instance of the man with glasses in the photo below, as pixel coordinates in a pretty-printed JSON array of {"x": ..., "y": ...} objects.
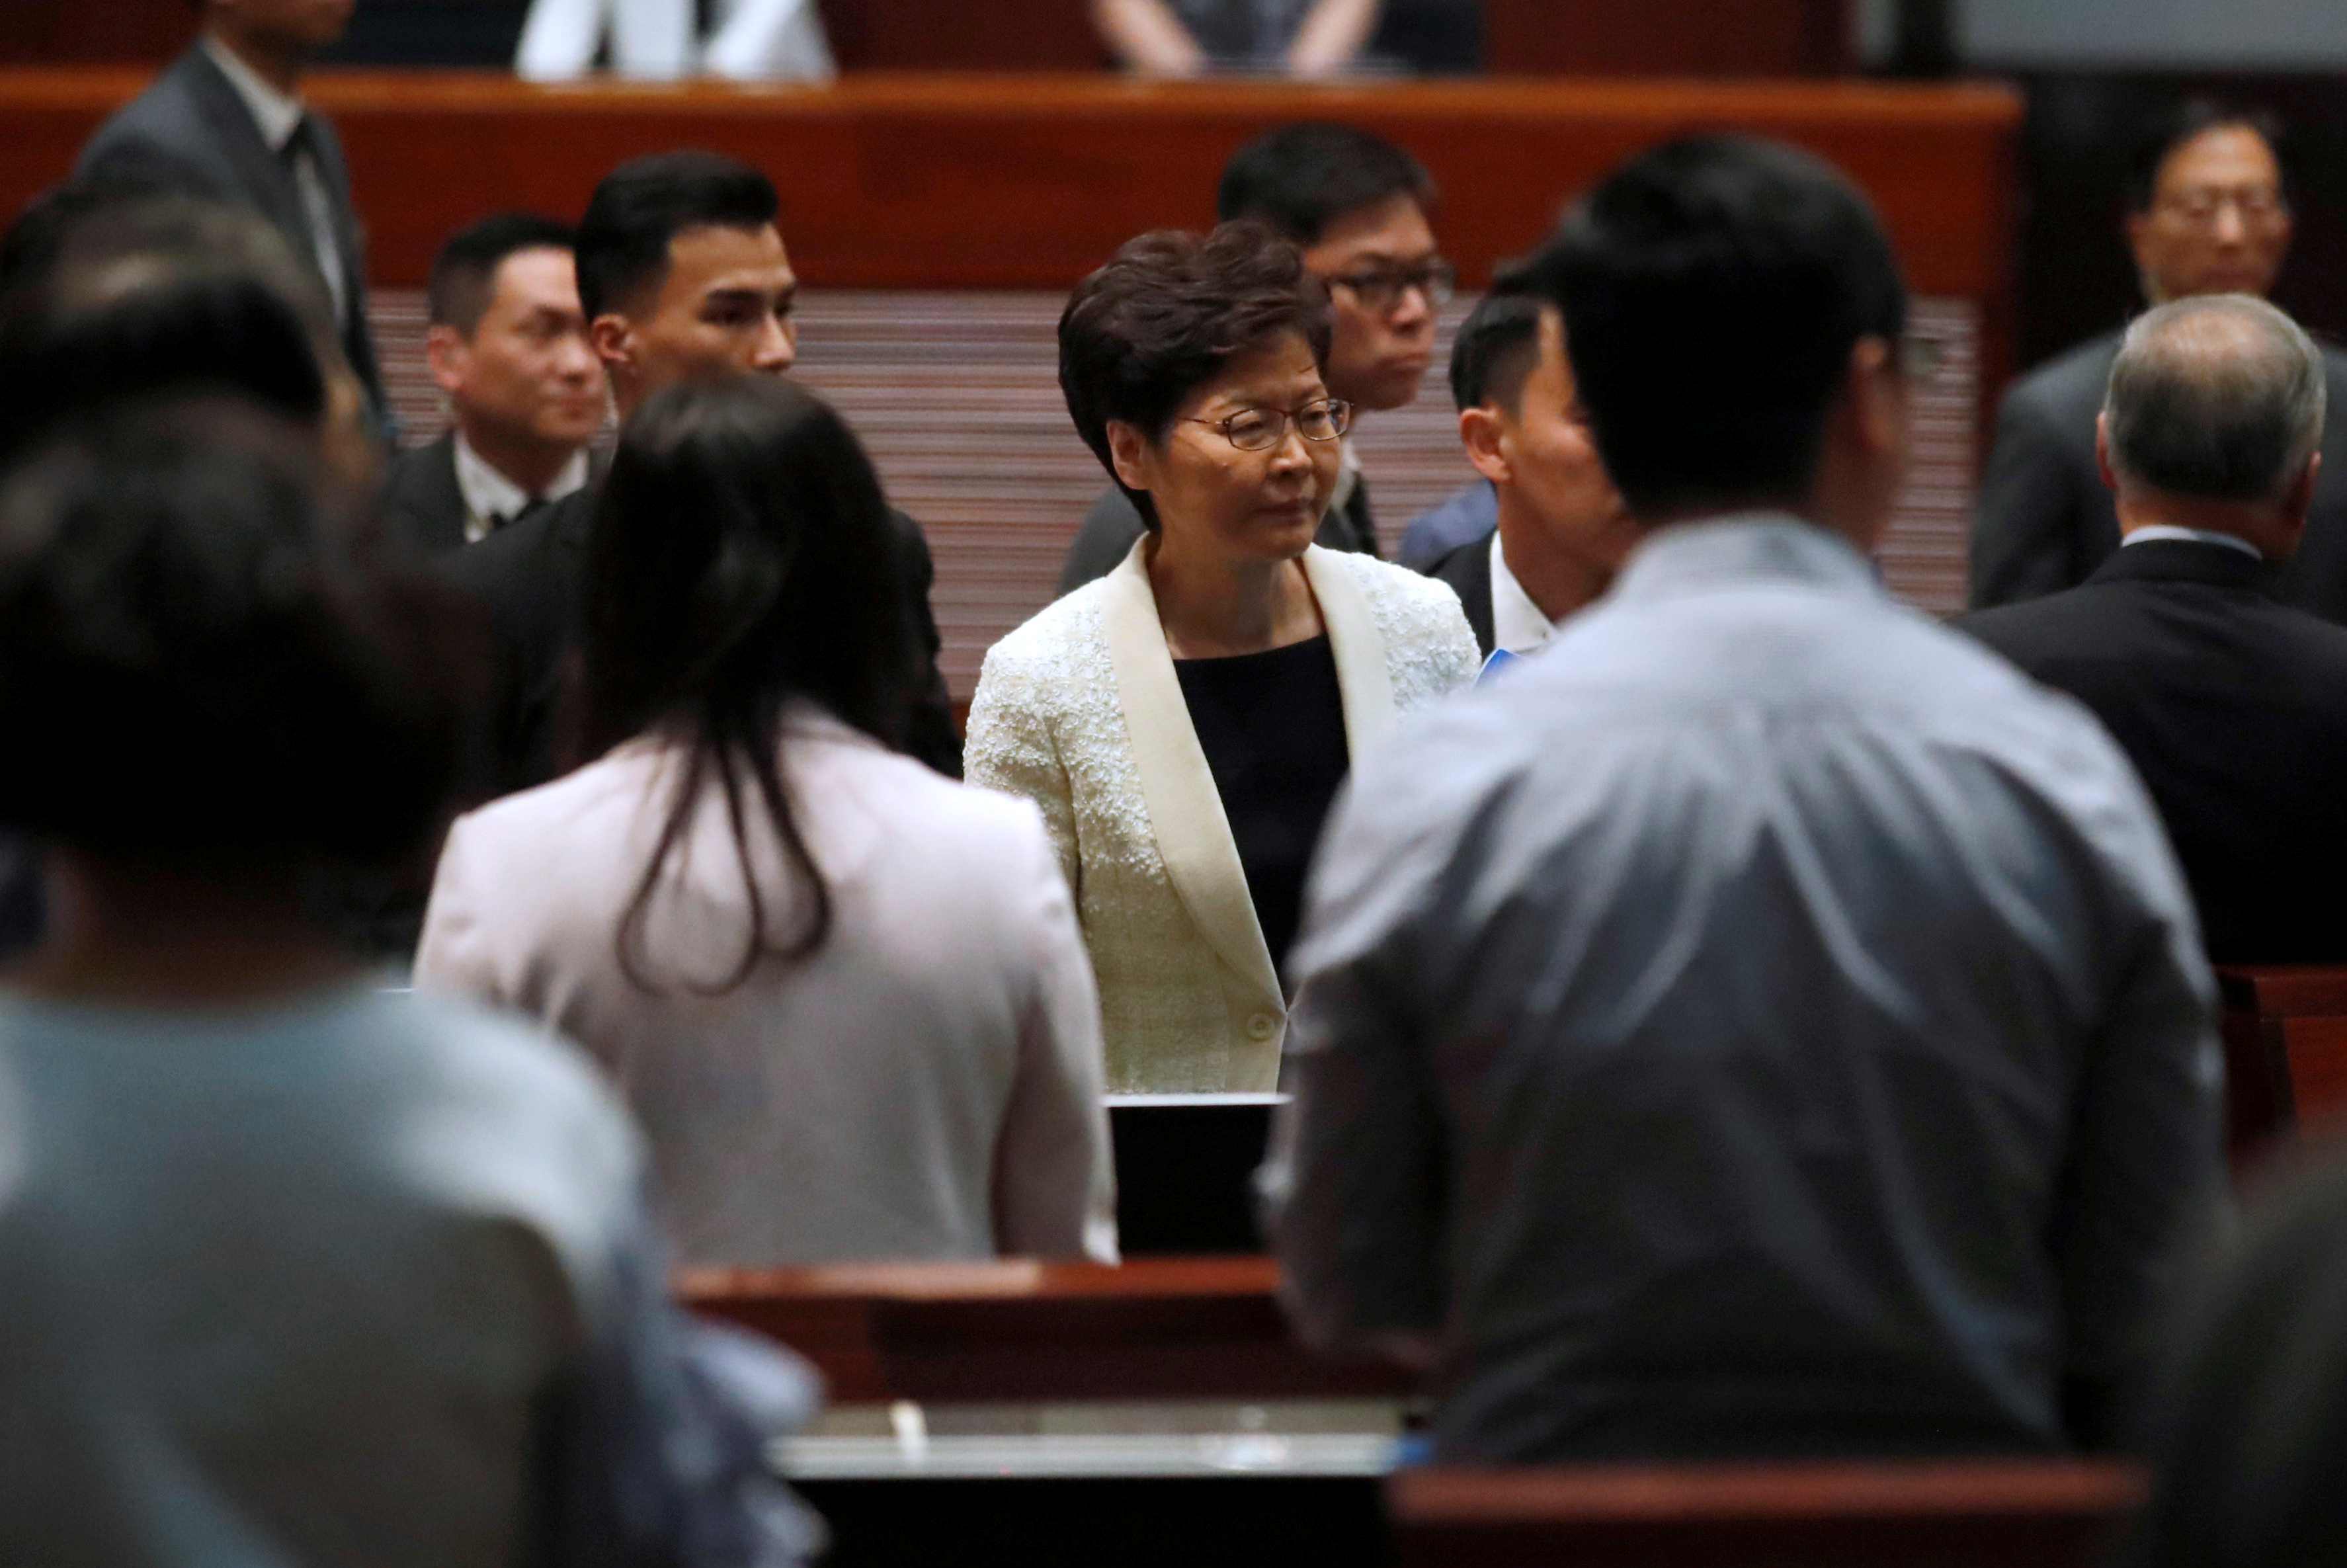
[
  {"x": 1358, "y": 206},
  {"x": 2207, "y": 214}
]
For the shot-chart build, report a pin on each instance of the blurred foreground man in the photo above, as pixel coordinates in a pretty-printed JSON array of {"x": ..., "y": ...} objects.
[
  {"x": 2207, "y": 214},
  {"x": 2232, "y": 706},
  {"x": 226, "y": 122},
  {"x": 508, "y": 350},
  {"x": 1761, "y": 1023}
]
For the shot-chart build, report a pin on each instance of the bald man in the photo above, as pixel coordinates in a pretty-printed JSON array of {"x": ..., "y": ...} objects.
[{"x": 2232, "y": 706}]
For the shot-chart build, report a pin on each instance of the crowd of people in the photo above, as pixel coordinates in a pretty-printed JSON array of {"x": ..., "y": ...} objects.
[{"x": 1724, "y": 1012}]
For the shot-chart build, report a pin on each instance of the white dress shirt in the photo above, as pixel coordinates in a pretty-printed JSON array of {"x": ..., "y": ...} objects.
[
  {"x": 277, "y": 115},
  {"x": 1765, "y": 1023},
  {"x": 491, "y": 497},
  {"x": 2156, "y": 533},
  {"x": 1518, "y": 625}
]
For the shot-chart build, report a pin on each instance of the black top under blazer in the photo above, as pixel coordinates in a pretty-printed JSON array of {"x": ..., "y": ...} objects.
[
  {"x": 2233, "y": 708},
  {"x": 2045, "y": 520},
  {"x": 190, "y": 133},
  {"x": 530, "y": 578}
]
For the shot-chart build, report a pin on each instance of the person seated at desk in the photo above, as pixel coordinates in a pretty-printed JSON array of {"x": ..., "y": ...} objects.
[
  {"x": 2231, "y": 705},
  {"x": 508, "y": 349},
  {"x": 293, "y": 1269},
  {"x": 1186, "y": 721},
  {"x": 846, "y": 996},
  {"x": 1190, "y": 37},
  {"x": 1562, "y": 532},
  {"x": 1764, "y": 1024},
  {"x": 1357, "y": 207}
]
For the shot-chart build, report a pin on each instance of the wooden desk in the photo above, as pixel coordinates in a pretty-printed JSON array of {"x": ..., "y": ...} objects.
[
  {"x": 2018, "y": 1514},
  {"x": 2285, "y": 1032},
  {"x": 1190, "y": 1329}
]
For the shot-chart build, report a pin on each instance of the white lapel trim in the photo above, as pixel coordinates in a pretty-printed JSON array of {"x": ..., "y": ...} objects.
[
  {"x": 1177, "y": 788},
  {"x": 1359, "y": 650}
]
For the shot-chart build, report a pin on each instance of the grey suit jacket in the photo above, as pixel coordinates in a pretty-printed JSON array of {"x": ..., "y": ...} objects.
[
  {"x": 189, "y": 132},
  {"x": 2045, "y": 520}
]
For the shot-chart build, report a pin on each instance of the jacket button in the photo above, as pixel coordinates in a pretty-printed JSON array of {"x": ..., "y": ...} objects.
[{"x": 1262, "y": 1026}]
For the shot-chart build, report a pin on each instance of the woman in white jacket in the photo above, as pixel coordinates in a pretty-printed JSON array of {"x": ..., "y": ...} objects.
[
  {"x": 846, "y": 996},
  {"x": 1185, "y": 722}
]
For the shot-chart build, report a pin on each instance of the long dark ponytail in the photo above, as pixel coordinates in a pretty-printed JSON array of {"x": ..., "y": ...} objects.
[{"x": 740, "y": 557}]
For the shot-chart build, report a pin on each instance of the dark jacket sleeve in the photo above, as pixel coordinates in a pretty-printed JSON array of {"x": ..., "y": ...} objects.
[
  {"x": 2026, "y": 524},
  {"x": 1102, "y": 543},
  {"x": 931, "y": 733}
]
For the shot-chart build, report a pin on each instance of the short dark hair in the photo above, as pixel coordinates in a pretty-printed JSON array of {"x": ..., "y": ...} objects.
[
  {"x": 464, "y": 273},
  {"x": 623, "y": 242},
  {"x": 1166, "y": 315},
  {"x": 2188, "y": 120},
  {"x": 1497, "y": 346},
  {"x": 1300, "y": 178},
  {"x": 155, "y": 297},
  {"x": 741, "y": 555},
  {"x": 183, "y": 570},
  {"x": 1714, "y": 288}
]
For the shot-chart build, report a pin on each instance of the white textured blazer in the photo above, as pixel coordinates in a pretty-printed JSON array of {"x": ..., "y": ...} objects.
[
  {"x": 927, "y": 1084},
  {"x": 1080, "y": 710}
]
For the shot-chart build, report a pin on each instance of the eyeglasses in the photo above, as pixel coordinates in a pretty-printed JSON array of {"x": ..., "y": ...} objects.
[
  {"x": 2202, "y": 209},
  {"x": 1261, "y": 429},
  {"x": 1379, "y": 293}
]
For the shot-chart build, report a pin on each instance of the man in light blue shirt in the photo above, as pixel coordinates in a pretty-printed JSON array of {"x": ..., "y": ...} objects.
[{"x": 1761, "y": 1023}]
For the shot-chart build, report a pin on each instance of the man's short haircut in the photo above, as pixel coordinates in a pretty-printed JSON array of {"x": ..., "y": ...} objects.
[
  {"x": 464, "y": 273},
  {"x": 1166, "y": 315},
  {"x": 183, "y": 571},
  {"x": 622, "y": 243},
  {"x": 2188, "y": 120},
  {"x": 2221, "y": 396},
  {"x": 1497, "y": 346},
  {"x": 162, "y": 296},
  {"x": 1301, "y": 178},
  {"x": 1715, "y": 288}
]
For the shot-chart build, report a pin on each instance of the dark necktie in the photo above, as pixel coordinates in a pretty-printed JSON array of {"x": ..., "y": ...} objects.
[{"x": 530, "y": 508}]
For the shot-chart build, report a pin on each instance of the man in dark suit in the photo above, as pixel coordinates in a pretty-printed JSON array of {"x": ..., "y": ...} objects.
[
  {"x": 2208, "y": 213},
  {"x": 682, "y": 273},
  {"x": 1357, "y": 205},
  {"x": 226, "y": 122},
  {"x": 2232, "y": 706},
  {"x": 1562, "y": 532},
  {"x": 508, "y": 348}
]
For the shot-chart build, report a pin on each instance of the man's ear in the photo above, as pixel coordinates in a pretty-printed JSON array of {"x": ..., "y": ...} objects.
[
  {"x": 1877, "y": 395},
  {"x": 2103, "y": 454},
  {"x": 1483, "y": 430},
  {"x": 1130, "y": 450},
  {"x": 446, "y": 352},
  {"x": 613, "y": 342},
  {"x": 2298, "y": 500}
]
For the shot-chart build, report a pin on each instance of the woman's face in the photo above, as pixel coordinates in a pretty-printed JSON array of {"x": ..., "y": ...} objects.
[{"x": 1212, "y": 497}]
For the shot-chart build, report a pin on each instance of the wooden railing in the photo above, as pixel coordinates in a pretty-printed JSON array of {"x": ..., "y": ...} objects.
[{"x": 2285, "y": 1029}]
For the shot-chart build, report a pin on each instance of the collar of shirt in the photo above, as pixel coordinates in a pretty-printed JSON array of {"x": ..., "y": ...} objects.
[
  {"x": 1348, "y": 478},
  {"x": 489, "y": 493},
  {"x": 2156, "y": 533},
  {"x": 1518, "y": 625},
  {"x": 274, "y": 115},
  {"x": 1744, "y": 547}
]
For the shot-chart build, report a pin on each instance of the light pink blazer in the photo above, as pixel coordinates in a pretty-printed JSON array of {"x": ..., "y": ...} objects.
[{"x": 926, "y": 1085}]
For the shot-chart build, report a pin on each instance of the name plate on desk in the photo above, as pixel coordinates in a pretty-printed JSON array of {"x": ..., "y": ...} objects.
[{"x": 1185, "y": 1169}]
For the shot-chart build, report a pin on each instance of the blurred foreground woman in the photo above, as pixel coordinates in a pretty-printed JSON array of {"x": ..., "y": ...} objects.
[
  {"x": 292, "y": 1269},
  {"x": 846, "y": 996}
]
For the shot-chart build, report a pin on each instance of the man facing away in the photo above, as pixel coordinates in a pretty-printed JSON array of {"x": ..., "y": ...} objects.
[
  {"x": 1358, "y": 206},
  {"x": 682, "y": 274},
  {"x": 2232, "y": 706},
  {"x": 2207, "y": 214},
  {"x": 1761, "y": 1023},
  {"x": 226, "y": 122},
  {"x": 1562, "y": 533},
  {"x": 508, "y": 349}
]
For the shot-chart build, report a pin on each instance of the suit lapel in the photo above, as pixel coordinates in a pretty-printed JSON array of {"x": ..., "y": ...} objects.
[
  {"x": 1185, "y": 812},
  {"x": 267, "y": 182},
  {"x": 1359, "y": 650}
]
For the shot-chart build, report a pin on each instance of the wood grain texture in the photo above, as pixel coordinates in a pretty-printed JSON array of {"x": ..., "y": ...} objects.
[
  {"x": 2020, "y": 1513},
  {"x": 937, "y": 182}
]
